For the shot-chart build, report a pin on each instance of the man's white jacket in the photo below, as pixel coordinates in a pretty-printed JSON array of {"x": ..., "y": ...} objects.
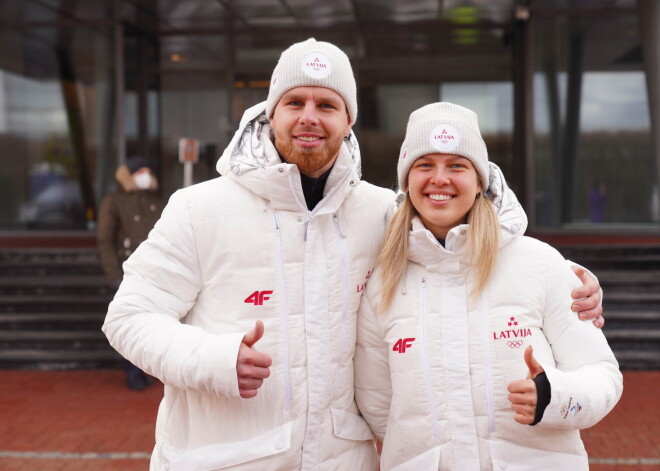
[
  {"x": 234, "y": 250},
  {"x": 432, "y": 371}
]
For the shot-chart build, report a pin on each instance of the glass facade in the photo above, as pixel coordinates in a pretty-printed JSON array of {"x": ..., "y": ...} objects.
[
  {"x": 55, "y": 84},
  {"x": 84, "y": 84},
  {"x": 594, "y": 157}
]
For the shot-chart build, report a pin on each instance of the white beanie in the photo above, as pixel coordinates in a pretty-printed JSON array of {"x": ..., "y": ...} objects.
[
  {"x": 313, "y": 63},
  {"x": 443, "y": 128}
]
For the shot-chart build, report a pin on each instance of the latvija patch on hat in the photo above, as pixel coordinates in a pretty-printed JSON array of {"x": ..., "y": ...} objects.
[
  {"x": 444, "y": 138},
  {"x": 316, "y": 65}
]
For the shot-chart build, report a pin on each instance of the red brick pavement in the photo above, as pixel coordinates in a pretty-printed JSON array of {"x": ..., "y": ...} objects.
[
  {"x": 75, "y": 412},
  {"x": 51, "y": 420}
]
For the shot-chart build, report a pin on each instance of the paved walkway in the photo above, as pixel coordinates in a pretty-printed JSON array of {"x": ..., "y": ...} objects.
[{"x": 88, "y": 420}]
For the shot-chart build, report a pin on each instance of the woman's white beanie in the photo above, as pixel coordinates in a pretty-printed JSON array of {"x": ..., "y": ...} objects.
[
  {"x": 313, "y": 63},
  {"x": 443, "y": 128}
]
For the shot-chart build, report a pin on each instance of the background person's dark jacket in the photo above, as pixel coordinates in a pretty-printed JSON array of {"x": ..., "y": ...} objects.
[{"x": 125, "y": 219}]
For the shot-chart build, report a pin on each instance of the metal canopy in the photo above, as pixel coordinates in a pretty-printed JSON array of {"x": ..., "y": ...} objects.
[{"x": 387, "y": 40}]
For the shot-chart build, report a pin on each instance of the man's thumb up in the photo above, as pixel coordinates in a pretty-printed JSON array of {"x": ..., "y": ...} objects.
[
  {"x": 252, "y": 367},
  {"x": 254, "y": 335},
  {"x": 534, "y": 368}
]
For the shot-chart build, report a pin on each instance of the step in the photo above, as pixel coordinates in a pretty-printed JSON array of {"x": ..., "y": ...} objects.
[
  {"x": 638, "y": 359},
  {"x": 624, "y": 262},
  {"x": 613, "y": 295},
  {"x": 12, "y": 254},
  {"x": 46, "y": 269},
  {"x": 37, "y": 291},
  {"x": 46, "y": 341},
  {"x": 60, "y": 359},
  {"x": 50, "y": 336},
  {"x": 51, "y": 322},
  {"x": 614, "y": 258},
  {"x": 607, "y": 250},
  {"x": 628, "y": 277},
  {"x": 632, "y": 334},
  {"x": 54, "y": 299},
  {"x": 36, "y": 318},
  {"x": 631, "y": 315},
  {"x": 61, "y": 280},
  {"x": 643, "y": 355}
]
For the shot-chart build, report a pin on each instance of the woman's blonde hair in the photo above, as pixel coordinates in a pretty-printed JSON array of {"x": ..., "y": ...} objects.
[{"x": 480, "y": 255}]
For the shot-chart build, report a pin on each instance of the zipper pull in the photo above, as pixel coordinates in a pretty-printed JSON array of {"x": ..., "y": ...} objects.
[
  {"x": 309, "y": 219},
  {"x": 336, "y": 218}
]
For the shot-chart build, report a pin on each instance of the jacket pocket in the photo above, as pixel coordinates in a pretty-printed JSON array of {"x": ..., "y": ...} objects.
[
  {"x": 225, "y": 455},
  {"x": 350, "y": 426},
  {"x": 514, "y": 457},
  {"x": 427, "y": 460}
]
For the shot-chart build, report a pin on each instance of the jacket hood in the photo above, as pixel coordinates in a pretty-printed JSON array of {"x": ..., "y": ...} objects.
[
  {"x": 251, "y": 156},
  {"x": 511, "y": 215},
  {"x": 125, "y": 180}
]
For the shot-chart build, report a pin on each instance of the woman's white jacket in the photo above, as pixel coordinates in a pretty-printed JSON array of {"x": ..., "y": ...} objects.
[
  {"x": 226, "y": 253},
  {"x": 432, "y": 371}
]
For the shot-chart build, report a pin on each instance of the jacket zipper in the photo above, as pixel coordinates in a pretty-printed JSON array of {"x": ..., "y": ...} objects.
[
  {"x": 344, "y": 305},
  {"x": 487, "y": 370},
  {"x": 312, "y": 213},
  {"x": 283, "y": 320},
  {"x": 425, "y": 362}
]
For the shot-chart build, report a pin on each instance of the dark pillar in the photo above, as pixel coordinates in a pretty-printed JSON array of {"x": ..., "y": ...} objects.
[{"x": 649, "y": 19}]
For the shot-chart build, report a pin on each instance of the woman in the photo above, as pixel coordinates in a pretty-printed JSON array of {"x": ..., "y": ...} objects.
[{"x": 449, "y": 318}]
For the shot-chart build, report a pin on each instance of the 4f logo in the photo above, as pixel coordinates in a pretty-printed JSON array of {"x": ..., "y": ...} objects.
[
  {"x": 402, "y": 344},
  {"x": 258, "y": 297}
]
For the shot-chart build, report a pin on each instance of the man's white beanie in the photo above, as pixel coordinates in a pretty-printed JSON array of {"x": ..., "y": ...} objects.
[
  {"x": 313, "y": 63},
  {"x": 443, "y": 128}
]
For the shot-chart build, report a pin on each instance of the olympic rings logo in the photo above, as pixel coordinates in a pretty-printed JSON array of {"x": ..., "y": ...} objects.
[{"x": 515, "y": 343}]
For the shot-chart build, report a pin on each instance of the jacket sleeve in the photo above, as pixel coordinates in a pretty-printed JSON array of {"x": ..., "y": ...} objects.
[
  {"x": 586, "y": 382},
  {"x": 106, "y": 236},
  {"x": 161, "y": 282},
  {"x": 373, "y": 386}
]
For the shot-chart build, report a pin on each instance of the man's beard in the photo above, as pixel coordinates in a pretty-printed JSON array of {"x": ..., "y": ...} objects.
[{"x": 308, "y": 161}]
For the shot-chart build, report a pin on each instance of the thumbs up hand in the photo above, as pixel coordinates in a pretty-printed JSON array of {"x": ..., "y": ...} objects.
[
  {"x": 252, "y": 367},
  {"x": 534, "y": 368},
  {"x": 522, "y": 393}
]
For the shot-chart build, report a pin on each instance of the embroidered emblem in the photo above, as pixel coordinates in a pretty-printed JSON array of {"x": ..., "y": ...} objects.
[
  {"x": 444, "y": 138},
  {"x": 512, "y": 331},
  {"x": 570, "y": 408},
  {"x": 361, "y": 287},
  {"x": 402, "y": 344},
  {"x": 316, "y": 65},
  {"x": 258, "y": 297}
]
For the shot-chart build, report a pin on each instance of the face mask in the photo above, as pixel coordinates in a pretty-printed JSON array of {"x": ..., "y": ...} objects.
[{"x": 142, "y": 181}]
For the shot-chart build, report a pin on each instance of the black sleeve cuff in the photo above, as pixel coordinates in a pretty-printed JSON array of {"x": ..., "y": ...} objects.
[{"x": 543, "y": 395}]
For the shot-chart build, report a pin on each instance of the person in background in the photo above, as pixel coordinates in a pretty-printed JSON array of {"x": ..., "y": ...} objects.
[
  {"x": 125, "y": 219},
  {"x": 243, "y": 300},
  {"x": 465, "y": 332},
  {"x": 597, "y": 202}
]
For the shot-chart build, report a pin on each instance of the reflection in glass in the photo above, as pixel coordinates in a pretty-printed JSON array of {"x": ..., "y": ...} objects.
[
  {"x": 593, "y": 154},
  {"x": 55, "y": 97}
]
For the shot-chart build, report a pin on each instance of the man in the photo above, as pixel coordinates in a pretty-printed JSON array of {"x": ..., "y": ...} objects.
[
  {"x": 125, "y": 219},
  {"x": 248, "y": 287}
]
